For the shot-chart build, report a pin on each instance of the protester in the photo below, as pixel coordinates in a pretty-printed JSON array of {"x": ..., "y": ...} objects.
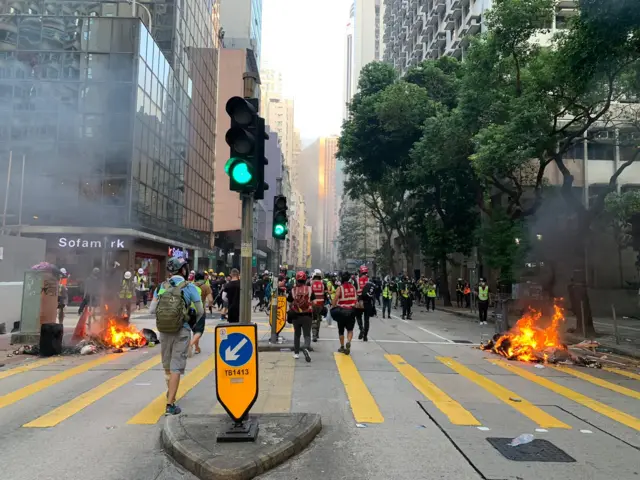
[
  {"x": 342, "y": 311},
  {"x": 300, "y": 314},
  {"x": 231, "y": 296},
  {"x": 196, "y": 323}
]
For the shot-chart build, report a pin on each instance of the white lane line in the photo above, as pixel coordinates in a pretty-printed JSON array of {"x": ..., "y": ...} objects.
[
  {"x": 412, "y": 341},
  {"x": 425, "y": 330}
]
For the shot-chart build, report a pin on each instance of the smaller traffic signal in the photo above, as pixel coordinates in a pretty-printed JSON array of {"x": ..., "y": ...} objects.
[{"x": 280, "y": 219}]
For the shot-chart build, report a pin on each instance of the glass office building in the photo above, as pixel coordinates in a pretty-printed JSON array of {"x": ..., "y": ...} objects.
[{"x": 116, "y": 129}]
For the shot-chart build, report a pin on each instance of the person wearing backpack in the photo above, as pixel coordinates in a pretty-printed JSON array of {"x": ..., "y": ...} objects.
[
  {"x": 301, "y": 299},
  {"x": 170, "y": 305}
]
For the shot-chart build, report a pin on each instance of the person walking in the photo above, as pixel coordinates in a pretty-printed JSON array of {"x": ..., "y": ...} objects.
[
  {"x": 169, "y": 304},
  {"x": 197, "y": 324},
  {"x": 63, "y": 294},
  {"x": 342, "y": 311},
  {"x": 142, "y": 287},
  {"x": 459, "y": 292},
  {"x": 300, "y": 313},
  {"x": 387, "y": 295},
  {"x": 231, "y": 296},
  {"x": 365, "y": 304},
  {"x": 407, "y": 300},
  {"x": 126, "y": 295},
  {"x": 320, "y": 293},
  {"x": 431, "y": 295},
  {"x": 483, "y": 301}
]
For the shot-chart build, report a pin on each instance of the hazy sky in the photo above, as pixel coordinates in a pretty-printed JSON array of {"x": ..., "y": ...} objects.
[{"x": 304, "y": 39}]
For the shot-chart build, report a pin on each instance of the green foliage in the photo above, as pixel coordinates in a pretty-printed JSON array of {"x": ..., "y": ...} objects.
[
  {"x": 619, "y": 209},
  {"x": 503, "y": 243}
]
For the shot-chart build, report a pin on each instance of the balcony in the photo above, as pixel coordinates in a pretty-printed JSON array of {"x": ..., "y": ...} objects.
[
  {"x": 449, "y": 22},
  {"x": 440, "y": 5},
  {"x": 455, "y": 4},
  {"x": 473, "y": 24},
  {"x": 566, "y": 4},
  {"x": 440, "y": 40}
]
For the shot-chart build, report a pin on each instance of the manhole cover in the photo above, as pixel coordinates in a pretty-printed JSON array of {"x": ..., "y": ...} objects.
[
  {"x": 535, "y": 451},
  {"x": 461, "y": 341}
]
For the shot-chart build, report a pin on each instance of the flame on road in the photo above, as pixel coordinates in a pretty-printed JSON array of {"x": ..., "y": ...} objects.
[
  {"x": 528, "y": 340},
  {"x": 119, "y": 335}
]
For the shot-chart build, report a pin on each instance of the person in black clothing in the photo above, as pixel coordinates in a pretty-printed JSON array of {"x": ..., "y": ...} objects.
[{"x": 231, "y": 295}]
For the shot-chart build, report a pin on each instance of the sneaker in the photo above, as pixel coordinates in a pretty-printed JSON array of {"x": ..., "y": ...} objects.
[
  {"x": 307, "y": 357},
  {"x": 361, "y": 336},
  {"x": 402, "y": 317},
  {"x": 365, "y": 339},
  {"x": 172, "y": 409},
  {"x": 296, "y": 356},
  {"x": 341, "y": 350},
  {"x": 347, "y": 348},
  {"x": 315, "y": 339}
]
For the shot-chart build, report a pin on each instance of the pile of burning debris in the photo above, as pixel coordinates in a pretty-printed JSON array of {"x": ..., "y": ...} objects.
[{"x": 531, "y": 341}]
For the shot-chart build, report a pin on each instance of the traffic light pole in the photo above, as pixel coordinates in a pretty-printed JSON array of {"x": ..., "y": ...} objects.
[
  {"x": 275, "y": 291},
  {"x": 246, "y": 257}
]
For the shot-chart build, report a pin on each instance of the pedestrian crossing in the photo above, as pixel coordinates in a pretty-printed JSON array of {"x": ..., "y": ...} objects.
[{"x": 616, "y": 391}]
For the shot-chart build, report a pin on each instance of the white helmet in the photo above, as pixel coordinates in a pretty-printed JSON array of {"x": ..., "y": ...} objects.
[
  {"x": 140, "y": 271},
  {"x": 317, "y": 272},
  {"x": 127, "y": 275},
  {"x": 63, "y": 271}
]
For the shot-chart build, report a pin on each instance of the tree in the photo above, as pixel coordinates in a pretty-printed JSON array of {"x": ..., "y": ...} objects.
[
  {"x": 351, "y": 231},
  {"x": 619, "y": 210}
]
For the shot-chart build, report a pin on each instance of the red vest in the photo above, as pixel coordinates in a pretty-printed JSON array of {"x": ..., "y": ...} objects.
[
  {"x": 317, "y": 286},
  {"x": 302, "y": 290},
  {"x": 362, "y": 281},
  {"x": 348, "y": 297}
]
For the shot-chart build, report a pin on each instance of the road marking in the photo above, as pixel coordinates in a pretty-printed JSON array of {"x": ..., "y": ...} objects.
[
  {"x": 28, "y": 366},
  {"x": 424, "y": 329},
  {"x": 150, "y": 414},
  {"x": 54, "y": 417},
  {"x": 526, "y": 408},
  {"x": 599, "y": 381},
  {"x": 29, "y": 390},
  {"x": 410, "y": 341},
  {"x": 607, "y": 411},
  {"x": 619, "y": 371},
  {"x": 363, "y": 405},
  {"x": 456, "y": 413}
]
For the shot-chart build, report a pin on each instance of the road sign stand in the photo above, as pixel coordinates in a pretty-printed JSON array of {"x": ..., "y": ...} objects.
[
  {"x": 246, "y": 430},
  {"x": 236, "y": 367}
]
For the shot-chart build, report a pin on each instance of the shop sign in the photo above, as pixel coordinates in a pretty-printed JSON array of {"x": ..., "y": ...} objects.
[
  {"x": 81, "y": 242},
  {"x": 178, "y": 252}
]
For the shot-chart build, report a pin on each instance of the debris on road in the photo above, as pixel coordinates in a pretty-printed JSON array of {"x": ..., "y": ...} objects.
[
  {"x": 517, "y": 400},
  {"x": 522, "y": 439},
  {"x": 88, "y": 350}
]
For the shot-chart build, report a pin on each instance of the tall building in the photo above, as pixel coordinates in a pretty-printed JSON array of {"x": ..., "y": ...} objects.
[
  {"x": 278, "y": 112},
  {"x": 363, "y": 43},
  {"x": 242, "y": 24},
  {"x": 116, "y": 125},
  {"x": 422, "y": 29},
  {"x": 318, "y": 186}
]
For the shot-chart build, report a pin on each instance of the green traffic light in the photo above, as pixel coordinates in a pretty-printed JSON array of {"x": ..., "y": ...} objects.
[
  {"x": 278, "y": 229},
  {"x": 227, "y": 165},
  {"x": 241, "y": 173}
]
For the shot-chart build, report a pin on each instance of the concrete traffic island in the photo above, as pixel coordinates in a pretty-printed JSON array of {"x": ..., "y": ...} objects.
[{"x": 191, "y": 440}]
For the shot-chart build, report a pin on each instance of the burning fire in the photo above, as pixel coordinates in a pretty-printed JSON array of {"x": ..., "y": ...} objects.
[
  {"x": 528, "y": 341},
  {"x": 118, "y": 336}
]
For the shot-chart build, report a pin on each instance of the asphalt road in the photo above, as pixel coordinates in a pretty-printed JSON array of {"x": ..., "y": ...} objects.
[{"x": 411, "y": 403}]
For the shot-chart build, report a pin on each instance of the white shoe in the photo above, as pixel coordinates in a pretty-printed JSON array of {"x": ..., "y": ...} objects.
[{"x": 296, "y": 356}]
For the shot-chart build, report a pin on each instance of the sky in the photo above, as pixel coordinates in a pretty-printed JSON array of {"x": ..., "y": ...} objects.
[{"x": 304, "y": 39}]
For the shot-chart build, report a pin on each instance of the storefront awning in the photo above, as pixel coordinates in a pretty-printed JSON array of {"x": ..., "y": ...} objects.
[
  {"x": 260, "y": 254},
  {"x": 122, "y": 232}
]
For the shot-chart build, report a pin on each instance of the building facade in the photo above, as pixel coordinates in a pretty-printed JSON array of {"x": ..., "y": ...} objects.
[
  {"x": 115, "y": 128},
  {"x": 242, "y": 24}
]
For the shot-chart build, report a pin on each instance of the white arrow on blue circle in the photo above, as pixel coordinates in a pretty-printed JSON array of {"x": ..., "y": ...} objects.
[{"x": 232, "y": 354}]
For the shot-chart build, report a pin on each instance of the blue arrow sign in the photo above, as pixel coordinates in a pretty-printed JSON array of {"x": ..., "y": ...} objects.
[{"x": 236, "y": 350}]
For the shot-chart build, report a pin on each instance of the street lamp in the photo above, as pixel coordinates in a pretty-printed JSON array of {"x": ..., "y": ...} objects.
[{"x": 134, "y": 10}]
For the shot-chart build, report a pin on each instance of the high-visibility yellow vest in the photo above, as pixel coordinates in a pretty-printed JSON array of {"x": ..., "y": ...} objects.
[
  {"x": 431, "y": 292},
  {"x": 193, "y": 305},
  {"x": 386, "y": 292},
  {"x": 483, "y": 293},
  {"x": 126, "y": 291}
]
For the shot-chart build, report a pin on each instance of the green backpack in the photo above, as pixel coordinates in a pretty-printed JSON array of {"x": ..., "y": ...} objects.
[{"x": 171, "y": 310}]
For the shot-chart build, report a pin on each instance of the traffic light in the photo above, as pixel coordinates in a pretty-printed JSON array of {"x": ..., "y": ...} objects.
[
  {"x": 280, "y": 219},
  {"x": 261, "y": 160},
  {"x": 242, "y": 137}
]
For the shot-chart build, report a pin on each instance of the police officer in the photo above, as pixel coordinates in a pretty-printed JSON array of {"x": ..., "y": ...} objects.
[{"x": 387, "y": 294}]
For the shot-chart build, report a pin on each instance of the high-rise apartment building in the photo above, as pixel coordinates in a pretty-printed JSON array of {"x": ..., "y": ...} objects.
[
  {"x": 115, "y": 120},
  {"x": 242, "y": 24}
]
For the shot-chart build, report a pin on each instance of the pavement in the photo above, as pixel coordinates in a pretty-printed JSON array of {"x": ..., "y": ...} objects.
[
  {"x": 628, "y": 341},
  {"x": 416, "y": 401}
]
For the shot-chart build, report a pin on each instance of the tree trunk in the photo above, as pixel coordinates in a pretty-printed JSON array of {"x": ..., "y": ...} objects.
[
  {"x": 579, "y": 291},
  {"x": 444, "y": 282},
  {"x": 389, "y": 252}
]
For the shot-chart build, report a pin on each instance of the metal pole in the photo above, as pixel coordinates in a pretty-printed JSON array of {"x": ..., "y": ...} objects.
[
  {"x": 274, "y": 302},
  {"x": 615, "y": 324},
  {"x": 246, "y": 255},
  {"x": 21, "y": 195},
  {"x": 6, "y": 193},
  {"x": 103, "y": 285},
  {"x": 584, "y": 330}
]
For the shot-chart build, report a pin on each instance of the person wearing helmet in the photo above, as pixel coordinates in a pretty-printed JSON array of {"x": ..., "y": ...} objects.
[
  {"x": 459, "y": 292},
  {"x": 126, "y": 295},
  {"x": 365, "y": 304},
  {"x": 319, "y": 290},
  {"x": 63, "y": 294},
  {"x": 142, "y": 287},
  {"x": 300, "y": 314},
  {"x": 175, "y": 345},
  {"x": 220, "y": 288},
  {"x": 343, "y": 311}
]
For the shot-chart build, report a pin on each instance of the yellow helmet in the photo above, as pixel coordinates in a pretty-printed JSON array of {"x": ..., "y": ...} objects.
[{"x": 221, "y": 274}]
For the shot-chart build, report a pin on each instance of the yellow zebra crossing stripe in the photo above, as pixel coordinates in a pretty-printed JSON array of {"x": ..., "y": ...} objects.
[
  {"x": 456, "y": 413},
  {"x": 599, "y": 381},
  {"x": 28, "y": 366},
  {"x": 155, "y": 410},
  {"x": 526, "y": 408},
  {"x": 621, "y": 417},
  {"x": 619, "y": 371},
  {"x": 54, "y": 417},
  {"x": 35, "y": 387},
  {"x": 363, "y": 405}
]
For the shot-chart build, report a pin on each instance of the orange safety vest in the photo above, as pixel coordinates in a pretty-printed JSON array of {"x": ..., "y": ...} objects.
[
  {"x": 348, "y": 296},
  {"x": 317, "y": 286}
]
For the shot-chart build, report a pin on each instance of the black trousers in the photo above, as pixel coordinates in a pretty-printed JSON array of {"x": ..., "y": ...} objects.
[
  {"x": 386, "y": 306},
  {"x": 431, "y": 301},
  {"x": 301, "y": 326},
  {"x": 483, "y": 308},
  {"x": 363, "y": 326},
  {"x": 459, "y": 297},
  {"x": 406, "y": 306}
]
